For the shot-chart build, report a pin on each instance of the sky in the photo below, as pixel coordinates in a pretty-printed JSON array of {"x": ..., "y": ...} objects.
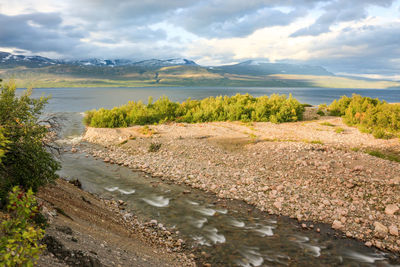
[{"x": 358, "y": 37}]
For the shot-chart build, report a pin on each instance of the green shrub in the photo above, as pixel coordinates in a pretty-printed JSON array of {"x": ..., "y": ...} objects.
[
  {"x": 3, "y": 144},
  {"x": 154, "y": 147},
  {"x": 26, "y": 161},
  {"x": 322, "y": 109},
  {"x": 246, "y": 108},
  {"x": 20, "y": 238},
  {"x": 369, "y": 115}
]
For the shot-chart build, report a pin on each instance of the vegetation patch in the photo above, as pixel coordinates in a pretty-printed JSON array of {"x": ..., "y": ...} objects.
[
  {"x": 246, "y": 108},
  {"x": 26, "y": 160},
  {"x": 339, "y": 130},
  {"x": 327, "y": 124},
  {"x": 146, "y": 130},
  {"x": 19, "y": 242},
  {"x": 379, "y": 118},
  {"x": 384, "y": 155},
  {"x": 154, "y": 147}
]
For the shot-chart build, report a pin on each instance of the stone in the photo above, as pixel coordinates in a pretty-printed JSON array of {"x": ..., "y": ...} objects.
[
  {"x": 358, "y": 168},
  {"x": 368, "y": 243},
  {"x": 380, "y": 230},
  {"x": 391, "y": 209},
  {"x": 107, "y": 159},
  {"x": 337, "y": 225},
  {"x": 278, "y": 205},
  {"x": 393, "y": 230}
]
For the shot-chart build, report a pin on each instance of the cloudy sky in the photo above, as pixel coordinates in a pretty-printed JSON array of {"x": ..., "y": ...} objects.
[{"x": 345, "y": 36}]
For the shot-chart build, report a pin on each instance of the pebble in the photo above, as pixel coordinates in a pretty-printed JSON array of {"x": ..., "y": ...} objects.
[
  {"x": 391, "y": 209},
  {"x": 380, "y": 230}
]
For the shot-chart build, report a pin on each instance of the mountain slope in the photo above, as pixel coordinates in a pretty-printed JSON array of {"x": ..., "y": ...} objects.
[{"x": 39, "y": 71}]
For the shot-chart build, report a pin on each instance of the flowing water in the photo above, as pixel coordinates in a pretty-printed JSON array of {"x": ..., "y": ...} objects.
[{"x": 230, "y": 233}]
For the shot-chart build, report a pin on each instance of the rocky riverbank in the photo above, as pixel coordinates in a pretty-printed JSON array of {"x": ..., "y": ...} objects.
[
  {"x": 85, "y": 230},
  {"x": 305, "y": 170}
]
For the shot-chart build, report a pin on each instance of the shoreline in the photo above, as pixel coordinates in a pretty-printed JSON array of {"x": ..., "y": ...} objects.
[
  {"x": 309, "y": 181},
  {"x": 87, "y": 230}
]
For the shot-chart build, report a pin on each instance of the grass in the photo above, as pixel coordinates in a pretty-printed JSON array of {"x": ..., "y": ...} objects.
[
  {"x": 146, "y": 130},
  {"x": 154, "y": 147},
  {"x": 339, "y": 130},
  {"x": 326, "y": 123},
  {"x": 383, "y": 155},
  {"x": 319, "y": 142}
]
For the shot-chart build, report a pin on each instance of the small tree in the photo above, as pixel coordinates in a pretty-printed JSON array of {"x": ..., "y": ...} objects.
[{"x": 26, "y": 161}]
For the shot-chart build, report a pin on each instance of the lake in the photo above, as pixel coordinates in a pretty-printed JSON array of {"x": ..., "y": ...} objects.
[{"x": 81, "y": 99}]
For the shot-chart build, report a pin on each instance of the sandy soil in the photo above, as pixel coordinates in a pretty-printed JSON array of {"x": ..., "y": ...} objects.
[{"x": 304, "y": 170}]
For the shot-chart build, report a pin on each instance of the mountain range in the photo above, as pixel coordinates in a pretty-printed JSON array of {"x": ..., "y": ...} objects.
[{"x": 40, "y": 71}]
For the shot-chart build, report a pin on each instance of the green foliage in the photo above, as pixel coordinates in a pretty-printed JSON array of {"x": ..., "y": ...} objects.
[
  {"x": 369, "y": 115},
  {"x": 20, "y": 238},
  {"x": 26, "y": 161},
  {"x": 275, "y": 108},
  {"x": 154, "y": 147},
  {"x": 339, "y": 130},
  {"x": 3, "y": 144},
  {"x": 322, "y": 109},
  {"x": 383, "y": 155},
  {"x": 326, "y": 123}
]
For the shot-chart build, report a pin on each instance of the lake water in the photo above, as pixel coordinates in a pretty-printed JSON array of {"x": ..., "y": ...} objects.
[{"x": 81, "y": 99}]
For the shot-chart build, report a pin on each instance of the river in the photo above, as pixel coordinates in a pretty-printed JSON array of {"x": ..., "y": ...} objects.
[{"x": 231, "y": 233}]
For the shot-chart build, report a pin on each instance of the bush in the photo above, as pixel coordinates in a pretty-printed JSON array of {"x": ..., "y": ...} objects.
[
  {"x": 26, "y": 161},
  {"x": 275, "y": 108},
  {"x": 369, "y": 115},
  {"x": 154, "y": 147},
  {"x": 20, "y": 238}
]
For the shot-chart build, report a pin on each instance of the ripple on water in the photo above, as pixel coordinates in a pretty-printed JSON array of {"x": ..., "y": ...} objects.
[
  {"x": 251, "y": 257},
  {"x": 265, "y": 230},
  {"x": 157, "y": 201},
  {"x": 302, "y": 242},
  {"x": 192, "y": 203},
  {"x": 371, "y": 258},
  {"x": 201, "y": 240},
  {"x": 237, "y": 223},
  {"x": 222, "y": 211},
  {"x": 127, "y": 192},
  {"x": 206, "y": 211},
  {"x": 198, "y": 223},
  {"x": 111, "y": 189},
  {"x": 212, "y": 234}
]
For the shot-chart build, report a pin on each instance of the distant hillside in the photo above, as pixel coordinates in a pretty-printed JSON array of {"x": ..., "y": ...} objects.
[
  {"x": 39, "y": 71},
  {"x": 252, "y": 67}
]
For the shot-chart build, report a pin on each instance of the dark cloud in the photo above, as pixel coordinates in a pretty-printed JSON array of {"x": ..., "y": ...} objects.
[
  {"x": 241, "y": 25},
  {"x": 37, "y": 32},
  {"x": 340, "y": 11},
  {"x": 221, "y": 19}
]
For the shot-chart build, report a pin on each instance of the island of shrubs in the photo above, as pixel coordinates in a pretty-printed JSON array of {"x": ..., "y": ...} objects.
[
  {"x": 368, "y": 115},
  {"x": 274, "y": 108}
]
